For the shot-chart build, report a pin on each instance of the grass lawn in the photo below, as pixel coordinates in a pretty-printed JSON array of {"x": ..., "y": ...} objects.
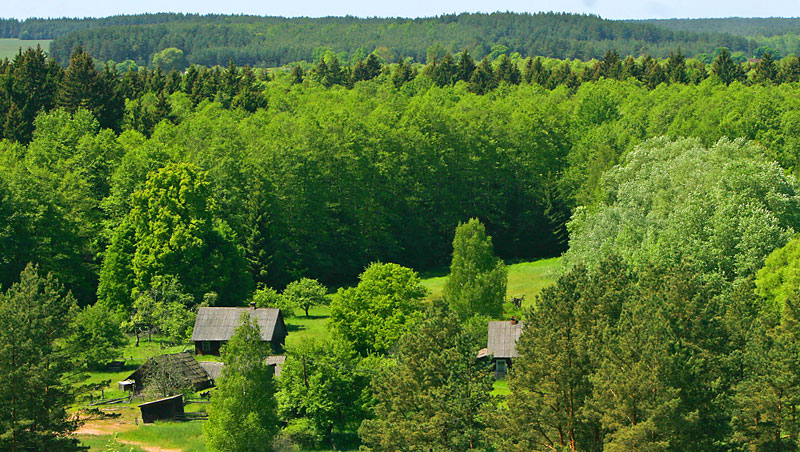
[
  {"x": 10, "y": 47},
  {"x": 186, "y": 436},
  {"x": 525, "y": 278},
  {"x": 301, "y": 327}
]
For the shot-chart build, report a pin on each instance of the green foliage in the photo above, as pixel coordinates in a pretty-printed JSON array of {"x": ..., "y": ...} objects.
[
  {"x": 435, "y": 396},
  {"x": 174, "y": 228},
  {"x": 724, "y": 209},
  {"x": 36, "y": 370},
  {"x": 478, "y": 279},
  {"x": 374, "y": 314},
  {"x": 96, "y": 336},
  {"x": 778, "y": 280},
  {"x": 325, "y": 383},
  {"x": 242, "y": 415},
  {"x": 617, "y": 359},
  {"x": 169, "y": 59},
  {"x": 267, "y": 297},
  {"x": 305, "y": 293}
]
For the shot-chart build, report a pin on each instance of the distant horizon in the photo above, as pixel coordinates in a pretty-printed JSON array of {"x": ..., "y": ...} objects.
[
  {"x": 22, "y": 19},
  {"x": 607, "y": 9}
]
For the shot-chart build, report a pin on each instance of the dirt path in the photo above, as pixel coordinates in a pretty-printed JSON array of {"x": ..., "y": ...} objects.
[
  {"x": 104, "y": 428},
  {"x": 146, "y": 447}
]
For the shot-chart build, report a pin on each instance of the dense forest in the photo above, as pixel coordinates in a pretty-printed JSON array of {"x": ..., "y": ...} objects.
[
  {"x": 275, "y": 41},
  {"x": 292, "y": 163},
  {"x": 130, "y": 196}
]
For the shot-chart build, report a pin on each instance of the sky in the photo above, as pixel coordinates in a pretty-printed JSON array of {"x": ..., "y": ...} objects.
[{"x": 610, "y": 9}]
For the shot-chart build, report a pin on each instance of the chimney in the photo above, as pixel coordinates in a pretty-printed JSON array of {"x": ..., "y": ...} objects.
[{"x": 514, "y": 320}]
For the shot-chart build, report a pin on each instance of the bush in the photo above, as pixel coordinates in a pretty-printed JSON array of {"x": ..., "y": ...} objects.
[{"x": 303, "y": 432}]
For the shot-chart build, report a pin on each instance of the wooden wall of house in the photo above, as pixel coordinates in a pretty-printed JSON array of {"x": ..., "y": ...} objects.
[{"x": 214, "y": 347}]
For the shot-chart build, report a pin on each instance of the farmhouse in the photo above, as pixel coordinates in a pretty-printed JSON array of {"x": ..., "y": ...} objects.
[
  {"x": 214, "y": 326},
  {"x": 502, "y": 345},
  {"x": 180, "y": 368}
]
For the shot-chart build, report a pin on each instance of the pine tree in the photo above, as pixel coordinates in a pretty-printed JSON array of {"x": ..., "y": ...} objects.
[
  {"x": 482, "y": 80},
  {"x": 478, "y": 279},
  {"x": 727, "y": 70},
  {"x": 676, "y": 67},
  {"x": 35, "y": 367},
  {"x": 466, "y": 66},
  {"x": 766, "y": 69},
  {"x": 436, "y": 396},
  {"x": 506, "y": 71},
  {"x": 243, "y": 416}
]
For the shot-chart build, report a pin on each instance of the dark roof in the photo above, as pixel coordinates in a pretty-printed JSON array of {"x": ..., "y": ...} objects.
[
  {"x": 212, "y": 368},
  {"x": 159, "y": 401},
  {"x": 181, "y": 366},
  {"x": 503, "y": 337},
  {"x": 217, "y": 324}
]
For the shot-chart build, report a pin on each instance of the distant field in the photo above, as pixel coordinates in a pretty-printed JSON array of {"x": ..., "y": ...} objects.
[
  {"x": 526, "y": 278},
  {"x": 10, "y": 47}
]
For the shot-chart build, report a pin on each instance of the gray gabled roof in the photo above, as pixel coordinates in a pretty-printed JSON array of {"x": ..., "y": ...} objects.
[
  {"x": 212, "y": 368},
  {"x": 217, "y": 324},
  {"x": 503, "y": 337}
]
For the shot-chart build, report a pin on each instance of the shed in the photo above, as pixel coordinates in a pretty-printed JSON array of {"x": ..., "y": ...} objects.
[
  {"x": 166, "y": 408},
  {"x": 501, "y": 344},
  {"x": 181, "y": 367},
  {"x": 215, "y": 326}
]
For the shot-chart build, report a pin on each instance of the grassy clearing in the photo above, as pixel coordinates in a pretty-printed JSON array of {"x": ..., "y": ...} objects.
[
  {"x": 10, "y": 47},
  {"x": 106, "y": 442},
  {"x": 525, "y": 278},
  {"x": 186, "y": 436},
  {"x": 313, "y": 326}
]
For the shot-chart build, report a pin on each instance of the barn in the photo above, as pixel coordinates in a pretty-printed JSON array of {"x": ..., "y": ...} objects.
[
  {"x": 502, "y": 345},
  {"x": 215, "y": 326}
]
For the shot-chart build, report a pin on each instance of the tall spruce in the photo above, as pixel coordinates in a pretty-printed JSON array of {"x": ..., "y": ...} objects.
[
  {"x": 478, "y": 280},
  {"x": 35, "y": 366}
]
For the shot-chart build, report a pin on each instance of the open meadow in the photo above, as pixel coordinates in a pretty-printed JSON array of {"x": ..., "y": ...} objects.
[{"x": 10, "y": 47}]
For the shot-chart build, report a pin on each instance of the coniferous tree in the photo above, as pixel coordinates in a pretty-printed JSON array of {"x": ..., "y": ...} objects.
[
  {"x": 790, "y": 70},
  {"x": 676, "y": 67},
  {"x": 466, "y": 66},
  {"x": 482, "y": 80},
  {"x": 436, "y": 396},
  {"x": 727, "y": 70},
  {"x": 766, "y": 69},
  {"x": 478, "y": 279},
  {"x": 36, "y": 369},
  {"x": 297, "y": 75},
  {"x": 506, "y": 71},
  {"x": 403, "y": 73}
]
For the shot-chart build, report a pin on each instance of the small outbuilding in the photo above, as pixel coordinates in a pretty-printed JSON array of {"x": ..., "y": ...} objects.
[
  {"x": 215, "y": 326},
  {"x": 181, "y": 368},
  {"x": 501, "y": 345},
  {"x": 166, "y": 408},
  {"x": 276, "y": 361}
]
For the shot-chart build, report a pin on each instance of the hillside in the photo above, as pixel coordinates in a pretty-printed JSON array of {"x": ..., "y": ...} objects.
[
  {"x": 274, "y": 41},
  {"x": 739, "y": 26}
]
